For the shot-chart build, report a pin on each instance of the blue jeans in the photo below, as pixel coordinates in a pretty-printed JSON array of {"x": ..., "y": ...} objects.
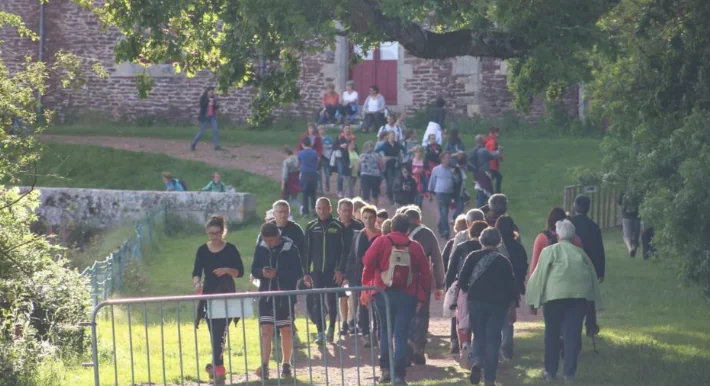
[
  {"x": 203, "y": 127},
  {"x": 507, "y": 333},
  {"x": 402, "y": 308},
  {"x": 565, "y": 317},
  {"x": 481, "y": 199},
  {"x": 340, "y": 167},
  {"x": 442, "y": 202},
  {"x": 486, "y": 323},
  {"x": 459, "y": 208},
  {"x": 309, "y": 182}
]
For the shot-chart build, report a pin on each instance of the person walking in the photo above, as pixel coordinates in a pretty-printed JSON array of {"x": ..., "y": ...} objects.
[
  {"x": 408, "y": 144},
  {"x": 325, "y": 251},
  {"x": 398, "y": 266},
  {"x": 362, "y": 240},
  {"x": 277, "y": 265},
  {"x": 590, "y": 235},
  {"x": 494, "y": 164},
  {"x": 419, "y": 329},
  {"x": 404, "y": 189},
  {"x": 478, "y": 162},
  {"x": 219, "y": 262},
  {"x": 308, "y": 165},
  {"x": 391, "y": 152},
  {"x": 350, "y": 226},
  {"x": 420, "y": 174},
  {"x": 564, "y": 282},
  {"x": 455, "y": 147},
  {"x": 441, "y": 185},
  {"x": 371, "y": 167},
  {"x": 324, "y": 165},
  {"x": 290, "y": 186},
  {"x": 630, "y": 221},
  {"x": 437, "y": 116},
  {"x": 316, "y": 141},
  {"x": 519, "y": 260},
  {"x": 489, "y": 282},
  {"x": 393, "y": 125},
  {"x": 208, "y": 115},
  {"x": 549, "y": 236},
  {"x": 343, "y": 159},
  {"x": 374, "y": 109},
  {"x": 172, "y": 184},
  {"x": 459, "y": 196}
]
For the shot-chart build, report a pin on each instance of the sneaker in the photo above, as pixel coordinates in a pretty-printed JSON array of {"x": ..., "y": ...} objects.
[
  {"x": 465, "y": 357},
  {"x": 632, "y": 252},
  {"x": 419, "y": 359},
  {"x": 399, "y": 381},
  {"x": 386, "y": 377},
  {"x": 286, "y": 370},
  {"x": 320, "y": 339},
  {"x": 331, "y": 335},
  {"x": 218, "y": 148},
  {"x": 263, "y": 371},
  {"x": 475, "y": 376}
]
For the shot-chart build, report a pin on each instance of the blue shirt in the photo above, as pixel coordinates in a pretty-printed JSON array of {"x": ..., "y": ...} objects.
[
  {"x": 308, "y": 160},
  {"x": 174, "y": 185},
  {"x": 327, "y": 142},
  {"x": 441, "y": 180}
]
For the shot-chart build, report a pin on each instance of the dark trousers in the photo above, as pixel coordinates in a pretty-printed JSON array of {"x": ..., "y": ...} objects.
[
  {"x": 390, "y": 175},
  {"x": 563, "y": 316},
  {"x": 315, "y": 303},
  {"x": 486, "y": 323},
  {"x": 218, "y": 332},
  {"x": 309, "y": 184},
  {"x": 419, "y": 328},
  {"x": 646, "y": 239},
  {"x": 363, "y": 319},
  {"x": 481, "y": 199},
  {"x": 454, "y": 333},
  {"x": 328, "y": 114},
  {"x": 402, "y": 308},
  {"x": 590, "y": 320},
  {"x": 375, "y": 120},
  {"x": 497, "y": 180}
]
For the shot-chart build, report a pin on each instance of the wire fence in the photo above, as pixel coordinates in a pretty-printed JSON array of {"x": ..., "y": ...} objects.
[{"x": 106, "y": 276}]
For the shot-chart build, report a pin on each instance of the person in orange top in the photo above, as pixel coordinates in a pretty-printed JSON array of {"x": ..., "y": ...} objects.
[
  {"x": 549, "y": 236},
  {"x": 331, "y": 103},
  {"x": 492, "y": 146}
]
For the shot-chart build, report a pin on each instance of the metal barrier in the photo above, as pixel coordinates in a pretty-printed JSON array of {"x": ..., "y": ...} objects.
[
  {"x": 106, "y": 276},
  {"x": 604, "y": 209},
  {"x": 176, "y": 369}
]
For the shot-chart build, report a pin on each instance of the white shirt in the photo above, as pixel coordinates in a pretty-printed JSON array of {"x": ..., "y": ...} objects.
[
  {"x": 396, "y": 129},
  {"x": 432, "y": 128},
  {"x": 373, "y": 104},
  {"x": 350, "y": 97}
]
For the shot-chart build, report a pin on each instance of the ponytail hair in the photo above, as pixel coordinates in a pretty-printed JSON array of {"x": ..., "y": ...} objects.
[{"x": 219, "y": 222}]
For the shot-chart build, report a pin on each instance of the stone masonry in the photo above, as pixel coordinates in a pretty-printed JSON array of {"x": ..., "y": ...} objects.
[{"x": 472, "y": 86}]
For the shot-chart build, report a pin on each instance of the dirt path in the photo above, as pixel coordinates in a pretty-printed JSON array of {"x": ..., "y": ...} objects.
[{"x": 266, "y": 161}]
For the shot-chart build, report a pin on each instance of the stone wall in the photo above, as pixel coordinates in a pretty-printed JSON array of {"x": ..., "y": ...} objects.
[
  {"x": 103, "y": 208},
  {"x": 472, "y": 86}
]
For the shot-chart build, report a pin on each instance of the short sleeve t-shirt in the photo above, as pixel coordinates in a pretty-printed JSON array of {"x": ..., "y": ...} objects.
[
  {"x": 308, "y": 160},
  {"x": 370, "y": 164},
  {"x": 350, "y": 97}
]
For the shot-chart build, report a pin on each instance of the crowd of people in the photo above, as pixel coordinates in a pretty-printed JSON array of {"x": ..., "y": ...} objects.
[{"x": 481, "y": 274}]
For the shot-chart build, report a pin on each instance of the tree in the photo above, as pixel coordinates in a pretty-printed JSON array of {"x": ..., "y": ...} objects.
[
  {"x": 41, "y": 300},
  {"x": 258, "y": 43},
  {"x": 652, "y": 87}
]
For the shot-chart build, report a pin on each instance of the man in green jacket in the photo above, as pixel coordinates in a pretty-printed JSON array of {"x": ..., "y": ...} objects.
[{"x": 563, "y": 282}]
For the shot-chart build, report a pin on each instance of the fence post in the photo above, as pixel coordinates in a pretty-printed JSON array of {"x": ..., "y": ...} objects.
[{"x": 94, "y": 289}]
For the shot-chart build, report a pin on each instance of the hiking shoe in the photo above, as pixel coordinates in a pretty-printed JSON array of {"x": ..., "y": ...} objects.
[
  {"x": 263, "y": 371},
  {"x": 419, "y": 359},
  {"x": 320, "y": 339},
  {"x": 386, "y": 377},
  {"x": 475, "y": 376},
  {"x": 331, "y": 335},
  {"x": 286, "y": 370},
  {"x": 399, "y": 381}
]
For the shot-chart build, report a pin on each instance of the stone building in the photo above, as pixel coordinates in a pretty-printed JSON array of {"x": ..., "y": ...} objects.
[{"x": 472, "y": 86}]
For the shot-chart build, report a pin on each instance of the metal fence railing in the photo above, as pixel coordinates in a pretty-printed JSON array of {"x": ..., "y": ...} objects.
[
  {"x": 155, "y": 340},
  {"x": 604, "y": 209},
  {"x": 106, "y": 276}
]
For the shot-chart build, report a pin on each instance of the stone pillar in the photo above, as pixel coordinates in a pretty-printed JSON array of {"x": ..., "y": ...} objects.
[{"x": 342, "y": 56}]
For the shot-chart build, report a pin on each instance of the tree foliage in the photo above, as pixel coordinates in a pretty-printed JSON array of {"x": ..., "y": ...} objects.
[
  {"x": 259, "y": 43},
  {"x": 41, "y": 300},
  {"x": 652, "y": 87}
]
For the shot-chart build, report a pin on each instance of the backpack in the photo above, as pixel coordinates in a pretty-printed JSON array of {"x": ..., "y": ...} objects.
[
  {"x": 184, "y": 187},
  {"x": 415, "y": 231},
  {"x": 399, "y": 272},
  {"x": 551, "y": 237}
]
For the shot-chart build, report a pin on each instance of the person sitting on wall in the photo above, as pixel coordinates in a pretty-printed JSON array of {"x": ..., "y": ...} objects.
[
  {"x": 331, "y": 104},
  {"x": 348, "y": 103},
  {"x": 172, "y": 184},
  {"x": 374, "y": 109},
  {"x": 216, "y": 185}
]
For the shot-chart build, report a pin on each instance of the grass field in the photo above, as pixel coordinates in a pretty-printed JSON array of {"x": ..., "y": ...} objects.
[{"x": 654, "y": 331}]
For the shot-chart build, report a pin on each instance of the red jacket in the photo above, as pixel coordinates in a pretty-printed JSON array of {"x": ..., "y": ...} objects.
[
  {"x": 376, "y": 261},
  {"x": 317, "y": 145},
  {"x": 492, "y": 145}
]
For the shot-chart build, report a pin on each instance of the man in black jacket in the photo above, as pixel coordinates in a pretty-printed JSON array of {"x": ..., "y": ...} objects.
[
  {"x": 405, "y": 187},
  {"x": 591, "y": 236},
  {"x": 325, "y": 251},
  {"x": 350, "y": 226}
]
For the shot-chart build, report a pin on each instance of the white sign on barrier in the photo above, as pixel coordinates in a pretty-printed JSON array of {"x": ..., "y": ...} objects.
[{"x": 232, "y": 308}]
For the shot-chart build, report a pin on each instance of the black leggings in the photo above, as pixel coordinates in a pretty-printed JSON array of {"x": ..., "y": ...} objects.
[
  {"x": 218, "y": 333},
  {"x": 314, "y": 303}
]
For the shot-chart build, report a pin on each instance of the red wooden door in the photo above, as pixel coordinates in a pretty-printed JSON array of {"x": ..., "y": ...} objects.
[{"x": 378, "y": 67}]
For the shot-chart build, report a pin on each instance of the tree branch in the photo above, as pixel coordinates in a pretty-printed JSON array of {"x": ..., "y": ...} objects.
[{"x": 25, "y": 194}]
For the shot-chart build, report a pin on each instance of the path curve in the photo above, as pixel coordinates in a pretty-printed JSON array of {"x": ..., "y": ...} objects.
[{"x": 266, "y": 161}]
